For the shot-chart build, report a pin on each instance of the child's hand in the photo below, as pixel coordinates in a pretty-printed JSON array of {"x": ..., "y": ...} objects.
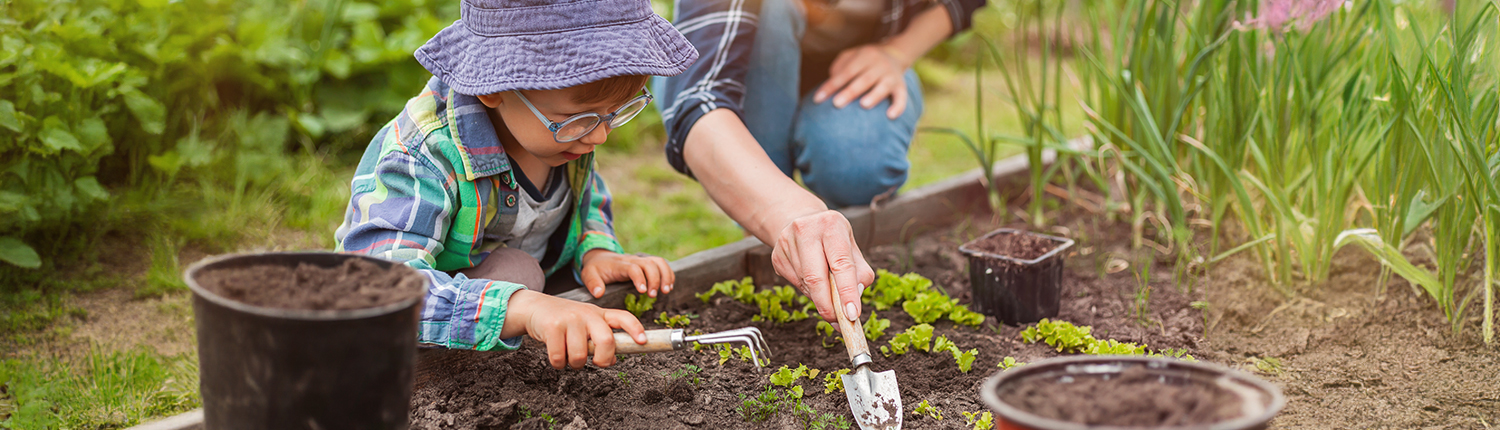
[
  {"x": 567, "y": 326},
  {"x": 648, "y": 273}
]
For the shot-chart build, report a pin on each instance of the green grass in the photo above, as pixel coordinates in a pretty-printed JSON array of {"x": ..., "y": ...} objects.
[{"x": 99, "y": 390}]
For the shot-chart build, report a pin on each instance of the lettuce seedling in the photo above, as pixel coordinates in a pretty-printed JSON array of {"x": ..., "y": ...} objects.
[
  {"x": 942, "y": 344},
  {"x": 1009, "y": 363},
  {"x": 979, "y": 421},
  {"x": 875, "y": 327},
  {"x": 962, "y": 315},
  {"x": 928, "y": 307},
  {"x": 675, "y": 321},
  {"x": 638, "y": 304},
  {"x": 927, "y": 409},
  {"x": 918, "y": 336},
  {"x": 1112, "y": 347},
  {"x": 965, "y": 359},
  {"x": 1062, "y": 335},
  {"x": 834, "y": 381},
  {"x": 890, "y": 289},
  {"x": 740, "y": 290}
]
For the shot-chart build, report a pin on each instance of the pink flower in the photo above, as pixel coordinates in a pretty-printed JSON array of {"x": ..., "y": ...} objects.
[{"x": 1275, "y": 15}]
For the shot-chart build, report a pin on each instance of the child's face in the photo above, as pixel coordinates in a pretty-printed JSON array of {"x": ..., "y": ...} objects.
[{"x": 556, "y": 105}]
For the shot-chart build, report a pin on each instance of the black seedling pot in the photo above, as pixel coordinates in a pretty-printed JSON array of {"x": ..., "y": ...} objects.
[
  {"x": 1256, "y": 400},
  {"x": 272, "y": 368},
  {"x": 1014, "y": 290}
]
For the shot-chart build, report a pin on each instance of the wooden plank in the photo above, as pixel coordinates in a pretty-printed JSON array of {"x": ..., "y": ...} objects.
[{"x": 190, "y": 420}]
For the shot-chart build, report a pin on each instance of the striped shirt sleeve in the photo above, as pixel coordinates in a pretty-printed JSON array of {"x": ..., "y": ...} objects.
[{"x": 723, "y": 31}]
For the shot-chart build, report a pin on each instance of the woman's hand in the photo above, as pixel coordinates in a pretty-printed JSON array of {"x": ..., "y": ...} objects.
[
  {"x": 648, "y": 273},
  {"x": 871, "y": 73},
  {"x": 567, "y": 326},
  {"x": 810, "y": 248}
]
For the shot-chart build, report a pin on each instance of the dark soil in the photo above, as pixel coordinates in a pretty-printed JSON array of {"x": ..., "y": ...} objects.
[
  {"x": 356, "y": 284},
  {"x": 1134, "y": 397},
  {"x": 1015, "y": 245},
  {"x": 1350, "y": 358}
]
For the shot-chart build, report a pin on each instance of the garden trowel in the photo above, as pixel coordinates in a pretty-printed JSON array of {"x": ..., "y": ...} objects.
[{"x": 874, "y": 397}]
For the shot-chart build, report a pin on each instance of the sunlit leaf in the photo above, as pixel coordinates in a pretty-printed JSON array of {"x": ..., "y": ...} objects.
[
  {"x": 18, "y": 253},
  {"x": 92, "y": 134},
  {"x": 56, "y": 136},
  {"x": 151, "y": 114},
  {"x": 8, "y": 118},
  {"x": 89, "y": 187}
]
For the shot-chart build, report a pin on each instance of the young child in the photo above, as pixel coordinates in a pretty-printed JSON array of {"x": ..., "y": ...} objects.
[{"x": 485, "y": 182}]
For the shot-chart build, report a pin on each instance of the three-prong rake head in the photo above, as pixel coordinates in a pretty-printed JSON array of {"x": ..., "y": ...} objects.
[{"x": 750, "y": 336}]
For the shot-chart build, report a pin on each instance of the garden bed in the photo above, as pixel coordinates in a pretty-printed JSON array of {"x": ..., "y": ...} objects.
[{"x": 1343, "y": 356}]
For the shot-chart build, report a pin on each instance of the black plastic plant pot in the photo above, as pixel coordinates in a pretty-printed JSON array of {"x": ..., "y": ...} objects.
[
  {"x": 1015, "y": 290},
  {"x": 1250, "y": 402},
  {"x": 275, "y": 368}
]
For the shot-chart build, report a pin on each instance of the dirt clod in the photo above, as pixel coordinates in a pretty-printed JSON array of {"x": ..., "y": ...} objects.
[{"x": 680, "y": 391}]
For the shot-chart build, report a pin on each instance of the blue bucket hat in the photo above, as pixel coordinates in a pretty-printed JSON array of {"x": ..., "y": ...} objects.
[{"x": 503, "y": 45}]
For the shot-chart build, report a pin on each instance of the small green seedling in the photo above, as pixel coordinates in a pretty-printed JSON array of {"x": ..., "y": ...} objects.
[
  {"x": 1062, "y": 335},
  {"x": 638, "y": 304},
  {"x": 624, "y": 377},
  {"x": 741, "y": 290},
  {"x": 928, "y": 410},
  {"x": 890, "y": 290},
  {"x": 834, "y": 381},
  {"x": 785, "y": 376},
  {"x": 675, "y": 321},
  {"x": 875, "y": 328},
  {"x": 761, "y": 407},
  {"x": 929, "y": 306},
  {"x": 979, "y": 420},
  {"x": 1009, "y": 363},
  {"x": 687, "y": 371},
  {"x": 1143, "y": 295},
  {"x": 1113, "y": 347},
  {"x": 1268, "y": 365},
  {"x": 965, "y": 359}
]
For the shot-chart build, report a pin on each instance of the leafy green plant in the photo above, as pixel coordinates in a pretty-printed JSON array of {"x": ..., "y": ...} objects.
[
  {"x": 890, "y": 290},
  {"x": 979, "y": 420},
  {"x": 675, "y": 321},
  {"x": 875, "y": 327},
  {"x": 1062, "y": 335},
  {"x": 786, "y": 376},
  {"x": 687, "y": 371},
  {"x": 833, "y": 381},
  {"x": 928, "y": 307},
  {"x": 759, "y": 408},
  {"x": 927, "y": 409},
  {"x": 623, "y": 377},
  {"x": 918, "y": 336},
  {"x": 740, "y": 290},
  {"x": 1267, "y": 365},
  {"x": 639, "y": 304},
  {"x": 1009, "y": 363}
]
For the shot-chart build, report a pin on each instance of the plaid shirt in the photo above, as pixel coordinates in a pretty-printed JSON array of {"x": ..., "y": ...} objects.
[
  {"x": 429, "y": 186},
  {"x": 724, "y": 32}
]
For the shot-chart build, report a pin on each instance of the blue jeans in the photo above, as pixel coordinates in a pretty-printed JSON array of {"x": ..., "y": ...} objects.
[{"x": 846, "y": 156}]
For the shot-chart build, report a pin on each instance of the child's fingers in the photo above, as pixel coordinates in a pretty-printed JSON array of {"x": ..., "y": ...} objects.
[
  {"x": 593, "y": 281},
  {"x": 625, "y": 321},
  {"x": 668, "y": 278},
  {"x": 653, "y": 273},
  {"x": 578, "y": 345},
  {"x": 638, "y": 277},
  {"x": 557, "y": 346},
  {"x": 604, "y": 342}
]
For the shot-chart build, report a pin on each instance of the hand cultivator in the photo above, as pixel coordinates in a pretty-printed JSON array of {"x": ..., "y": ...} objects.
[{"x": 662, "y": 340}]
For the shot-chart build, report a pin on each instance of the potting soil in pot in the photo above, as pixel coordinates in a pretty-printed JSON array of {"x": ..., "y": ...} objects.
[
  {"x": 1017, "y": 246},
  {"x": 1133, "y": 397},
  {"x": 356, "y": 284}
]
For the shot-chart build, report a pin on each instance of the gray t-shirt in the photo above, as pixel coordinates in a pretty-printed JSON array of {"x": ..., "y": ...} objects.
[{"x": 539, "y": 214}]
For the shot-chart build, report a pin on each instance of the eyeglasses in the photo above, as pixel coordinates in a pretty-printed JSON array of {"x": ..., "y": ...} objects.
[{"x": 578, "y": 126}]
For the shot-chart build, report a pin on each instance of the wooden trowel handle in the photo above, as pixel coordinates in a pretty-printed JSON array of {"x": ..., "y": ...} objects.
[
  {"x": 659, "y": 340},
  {"x": 852, "y": 331}
]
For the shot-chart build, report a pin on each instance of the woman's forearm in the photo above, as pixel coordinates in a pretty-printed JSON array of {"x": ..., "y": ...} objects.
[{"x": 741, "y": 179}]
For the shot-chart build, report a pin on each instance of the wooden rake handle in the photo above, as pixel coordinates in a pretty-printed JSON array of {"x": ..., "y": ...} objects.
[{"x": 659, "y": 340}]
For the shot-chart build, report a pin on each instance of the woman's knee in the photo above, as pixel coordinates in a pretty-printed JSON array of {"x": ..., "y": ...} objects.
[
  {"x": 851, "y": 155},
  {"x": 510, "y": 265}
]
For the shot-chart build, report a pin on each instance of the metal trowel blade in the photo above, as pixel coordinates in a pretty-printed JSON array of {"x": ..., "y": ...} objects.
[{"x": 874, "y": 399}]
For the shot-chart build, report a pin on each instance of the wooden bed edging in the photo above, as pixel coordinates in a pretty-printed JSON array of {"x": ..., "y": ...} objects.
[{"x": 909, "y": 214}]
